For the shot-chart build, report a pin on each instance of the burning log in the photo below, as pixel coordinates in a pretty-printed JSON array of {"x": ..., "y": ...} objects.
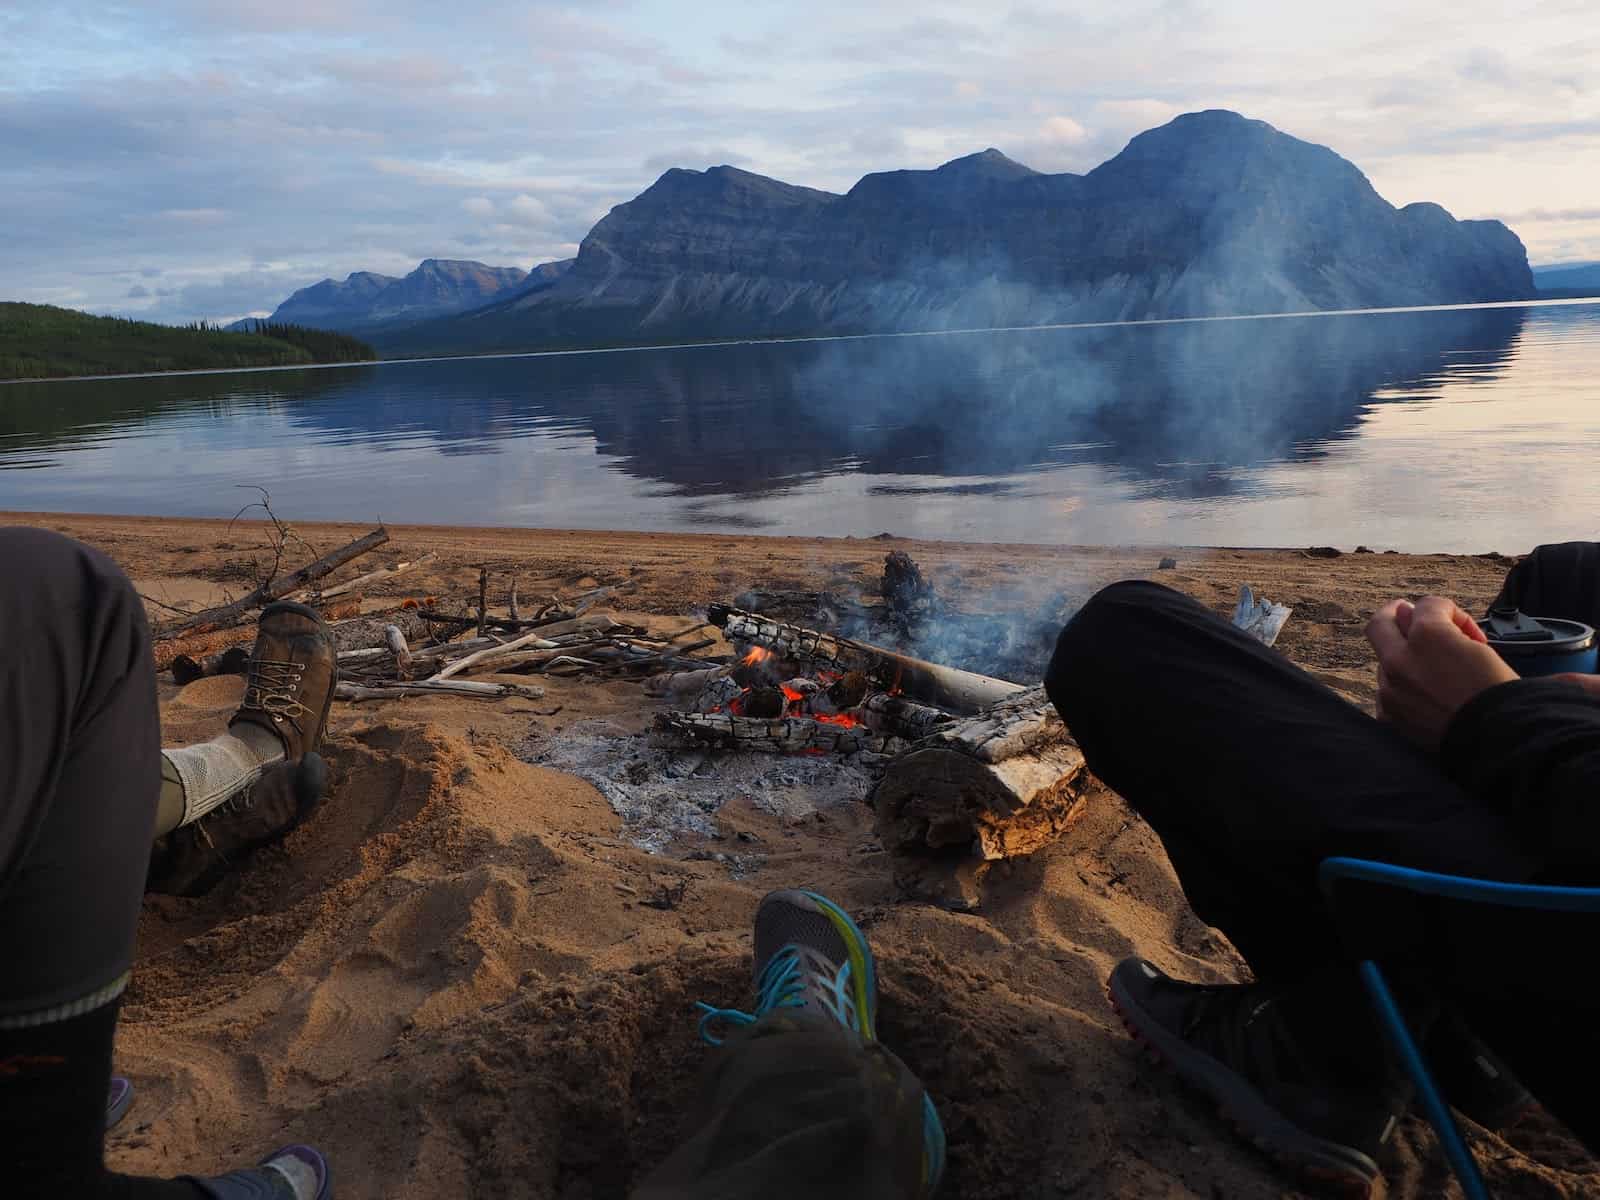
[
  {"x": 787, "y": 735},
  {"x": 1003, "y": 783},
  {"x": 961, "y": 692},
  {"x": 907, "y": 718},
  {"x": 701, "y": 690}
]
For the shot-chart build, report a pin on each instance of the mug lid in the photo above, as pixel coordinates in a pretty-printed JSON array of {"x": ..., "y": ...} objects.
[{"x": 1516, "y": 632}]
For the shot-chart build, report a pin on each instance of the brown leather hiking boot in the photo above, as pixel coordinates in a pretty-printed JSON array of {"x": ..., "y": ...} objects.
[
  {"x": 192, "y": 859},
  {"x": 291, "y": 676}
]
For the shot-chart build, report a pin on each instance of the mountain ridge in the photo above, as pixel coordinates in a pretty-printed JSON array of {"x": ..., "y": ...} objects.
[
  {"x": 1210, "y": 214},
  {"x": 438, "y": 287}
]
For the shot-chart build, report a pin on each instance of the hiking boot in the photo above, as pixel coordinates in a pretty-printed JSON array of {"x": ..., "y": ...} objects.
[
  {"x": 197, "y": 856},
  {"x": 1475, "y": 1081},
  {"x": 1233, "y": 1044},
  {"x": 293, "y": 1173},
  {"x": 290, "y": 678},
  {"x": 810, "y": 956}
]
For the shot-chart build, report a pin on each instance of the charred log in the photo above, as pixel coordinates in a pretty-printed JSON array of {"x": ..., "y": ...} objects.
[
  {"x": 962, "y": 692},
  {"x": 787, "y": 735},
  {"x": 903, "y": 586}
]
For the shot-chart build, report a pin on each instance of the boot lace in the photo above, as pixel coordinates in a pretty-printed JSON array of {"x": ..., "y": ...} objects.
[{"x": 274, "y": 687}]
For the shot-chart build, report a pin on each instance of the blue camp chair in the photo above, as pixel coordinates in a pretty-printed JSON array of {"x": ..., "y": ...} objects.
[{"x": 1452, "y": 887}]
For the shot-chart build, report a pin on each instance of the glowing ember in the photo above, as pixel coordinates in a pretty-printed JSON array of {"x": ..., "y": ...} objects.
[
  {"x": 792, "y": 696},
  {"x": 844, "y": 720}
]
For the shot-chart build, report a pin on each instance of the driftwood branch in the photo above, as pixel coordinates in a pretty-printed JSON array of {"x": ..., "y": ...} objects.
[
  {"x": 378, "y": 576},
  {"x": 231, "y": 614},
  {"x": 535, "y": 640},
  {"x": 433, "y": 687},
  {"x": 397, "y": 646},
  {"x": 374, "y": 655}
]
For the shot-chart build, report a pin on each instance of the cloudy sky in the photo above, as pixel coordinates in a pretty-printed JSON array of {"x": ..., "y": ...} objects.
[{"x": 204, "y": 158}]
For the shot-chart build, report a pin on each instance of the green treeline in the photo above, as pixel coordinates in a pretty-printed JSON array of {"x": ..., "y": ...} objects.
[{"x": 38, "y": 341}]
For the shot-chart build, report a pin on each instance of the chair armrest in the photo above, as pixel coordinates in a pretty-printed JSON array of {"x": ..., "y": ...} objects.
[{"x": 1457, "y": 887}]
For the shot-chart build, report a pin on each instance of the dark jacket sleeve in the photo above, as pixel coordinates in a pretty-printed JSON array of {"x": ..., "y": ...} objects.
[{"x": 1531, "y": 749}]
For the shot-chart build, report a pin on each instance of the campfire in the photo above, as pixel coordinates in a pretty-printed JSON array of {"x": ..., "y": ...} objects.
[
  {"x": 791, "y": 690},
  {"x": 975, "y": 769}
]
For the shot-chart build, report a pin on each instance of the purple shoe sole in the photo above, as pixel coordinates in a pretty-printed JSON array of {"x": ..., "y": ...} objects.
[
  {"x": 262, "y": 1183},
  {"x": 119, "y": 1099}
]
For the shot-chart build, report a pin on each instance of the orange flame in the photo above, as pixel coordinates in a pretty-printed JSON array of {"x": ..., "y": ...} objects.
[{"x": 758, "y": 654}]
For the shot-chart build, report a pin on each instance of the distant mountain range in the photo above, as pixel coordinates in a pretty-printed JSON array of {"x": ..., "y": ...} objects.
[
  {"x": 1211, "y": 214},
  {"x": 365, "y": 300},
  {"x": 1568, "y": 279}
]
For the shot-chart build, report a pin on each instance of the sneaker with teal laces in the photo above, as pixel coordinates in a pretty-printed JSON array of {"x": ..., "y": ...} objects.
[{"x": 809, "y": 955}]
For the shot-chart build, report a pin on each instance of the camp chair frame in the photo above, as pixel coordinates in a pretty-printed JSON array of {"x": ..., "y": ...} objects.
[{"x": 1451, "y": 887}]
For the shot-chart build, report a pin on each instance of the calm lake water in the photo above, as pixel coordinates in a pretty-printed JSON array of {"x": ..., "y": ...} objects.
[{"x": 1462, "y": 430}]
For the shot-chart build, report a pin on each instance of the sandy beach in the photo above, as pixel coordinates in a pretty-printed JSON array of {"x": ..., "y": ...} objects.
[{"x": 449, "y": 980}]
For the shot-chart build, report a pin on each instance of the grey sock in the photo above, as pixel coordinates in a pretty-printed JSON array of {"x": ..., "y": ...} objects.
[{"x": 213, "y": 772}]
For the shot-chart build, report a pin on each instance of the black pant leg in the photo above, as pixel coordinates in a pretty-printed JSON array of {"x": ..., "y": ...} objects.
[
  {"x": 1252, "y": 772},
  {"x": 799, "y": 1108},
  {"x": 1558, "y": 580},
  {"x": 53, "y": 1108},
  {"x": 80, "y": 770},
  {"x": 79, "y": 775}
]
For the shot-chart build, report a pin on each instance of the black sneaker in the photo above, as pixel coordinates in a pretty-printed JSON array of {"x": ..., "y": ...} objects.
[
  {"x": 1232, "y": 1044},
  {"x": 1474, "y": 1079},
  {"x": 194, "y": 858}
]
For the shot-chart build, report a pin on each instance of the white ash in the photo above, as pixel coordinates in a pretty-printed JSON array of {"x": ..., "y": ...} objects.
[{"x": 664, "y": 794}]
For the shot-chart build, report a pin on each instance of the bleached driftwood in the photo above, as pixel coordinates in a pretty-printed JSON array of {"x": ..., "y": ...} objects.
[
  {"x": 396, "y": 643},
  {"x": 360, "y": 581},
  {"x": 433, "y": 687},
  {"x": 535, "y": 640},
  {"x": 369, "y": 656}
]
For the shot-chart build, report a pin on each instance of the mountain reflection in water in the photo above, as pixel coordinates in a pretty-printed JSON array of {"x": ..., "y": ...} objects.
[{"x": 1237, "y": 432}]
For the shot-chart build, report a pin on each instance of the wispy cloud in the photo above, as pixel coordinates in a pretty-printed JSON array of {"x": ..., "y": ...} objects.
[{"x": 237, "y": 150}]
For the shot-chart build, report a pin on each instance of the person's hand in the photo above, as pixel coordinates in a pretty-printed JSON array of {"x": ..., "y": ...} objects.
[{"x": 1432, "y": 659}]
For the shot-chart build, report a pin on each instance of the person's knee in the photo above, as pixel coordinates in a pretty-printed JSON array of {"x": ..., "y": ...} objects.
[
  {"x": 1112, "y": 616},
  {"x": 55, "y": 579}
]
